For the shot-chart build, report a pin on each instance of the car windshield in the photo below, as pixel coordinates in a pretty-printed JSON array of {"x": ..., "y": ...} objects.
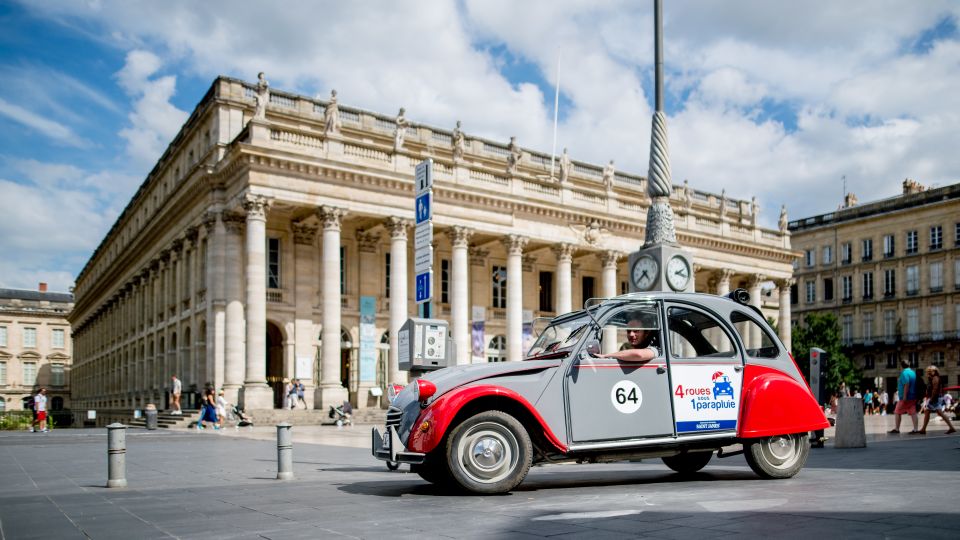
[{"x": 558, "y": 339}]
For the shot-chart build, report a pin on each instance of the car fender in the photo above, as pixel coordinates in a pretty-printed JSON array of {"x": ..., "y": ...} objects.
[
  {"x": 433, "y": 422},
  {"x": 774, "y": 403}
]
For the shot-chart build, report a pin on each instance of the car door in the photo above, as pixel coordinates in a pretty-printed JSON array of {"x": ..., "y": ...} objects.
[
  {"x": 609, "y": 399},
  {"x": 706, "y": 371}
]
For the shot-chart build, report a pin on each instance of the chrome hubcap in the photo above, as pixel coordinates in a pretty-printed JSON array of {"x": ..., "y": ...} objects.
[
  {"x": 487, "y": 452},
  {"x": 783, "y": 451}
]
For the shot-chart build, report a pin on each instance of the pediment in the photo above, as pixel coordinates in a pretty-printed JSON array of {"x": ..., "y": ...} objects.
[
  {"x": 29, "y": 355},
  {"x": 5, "y": 355},
  {"x": 58, "y": 356}
]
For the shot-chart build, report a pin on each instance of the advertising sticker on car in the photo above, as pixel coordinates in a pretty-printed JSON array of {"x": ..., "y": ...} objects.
[
  {"x": 626, "y": 396},
  {"x": 705, "y": 397}
]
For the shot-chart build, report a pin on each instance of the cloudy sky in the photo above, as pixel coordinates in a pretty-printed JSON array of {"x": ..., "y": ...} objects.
[{"x": 777, "y": 99}]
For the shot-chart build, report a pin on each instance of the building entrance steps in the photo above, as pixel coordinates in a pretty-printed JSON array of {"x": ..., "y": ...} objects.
[{"x": 167, "y": 420}]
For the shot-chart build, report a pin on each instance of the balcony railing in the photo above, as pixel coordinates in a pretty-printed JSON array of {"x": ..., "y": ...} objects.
[
  {"x": 891, "y": 339},
  {"x": 913, "y": 292},
  {"x": 936, "y": 289}
]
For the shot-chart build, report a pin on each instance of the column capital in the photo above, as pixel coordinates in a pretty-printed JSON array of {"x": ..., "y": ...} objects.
[
  {"x": 723, "y": 274},
  {"x": 527, "y": 261},
  {"x": 303, "y": 233},
  {"x": 256, "y": 206},
  {"x": 367, "y": 241},
  {"x": 331, "y": 217},
  {"x": 478, "y": 256},
  {"x": 233, "y": 222},
  {"x": 610, "y": 258},
  {"x": 397, "y": 227},
  {"x": 163, "y": 257},
  {"x": 459, "y": 236},
  {"x": 190, "y": 235},
  {"x": 175, "y": 248},
  {"x": 785, "y": 284},
  {"x": 209, "y": 221},
  {"x": 514, "y": 243},
  {"x": 564, "y": 252},
  {"x": 754, "y": 280}
]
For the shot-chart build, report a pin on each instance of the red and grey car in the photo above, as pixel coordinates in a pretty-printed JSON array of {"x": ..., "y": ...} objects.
[{"x": 720, "y": 378}]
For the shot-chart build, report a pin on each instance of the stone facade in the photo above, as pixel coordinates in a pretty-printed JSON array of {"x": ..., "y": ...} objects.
[
  {"x": 243, "y": 257},
  {"x": 36, "y": 349},
  {"x": 890, "y": 271}
]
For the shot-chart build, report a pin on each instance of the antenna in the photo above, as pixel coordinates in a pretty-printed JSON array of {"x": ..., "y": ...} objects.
[
  {"x": 556, "y": 109},
  {"x": 843, "y": 201}
]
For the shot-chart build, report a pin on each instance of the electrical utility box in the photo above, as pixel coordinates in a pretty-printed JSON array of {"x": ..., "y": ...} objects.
[
  {"x": 425, "y": 345},
  {"x": 818, "y": 375}
]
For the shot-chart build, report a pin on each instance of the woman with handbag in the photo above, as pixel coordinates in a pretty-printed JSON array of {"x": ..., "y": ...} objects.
[{"x": 934, "y": 400}]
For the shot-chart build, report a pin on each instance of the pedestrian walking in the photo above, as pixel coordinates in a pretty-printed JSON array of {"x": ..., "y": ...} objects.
[
  {"x": 934, "y": 401},
  {"x": 906, "y": 391},
  {"x": 40, "y": 408},
  {"x": 301, "y": 390},
  {"x": 868, "y": 402},
  {"x": 208, "y": 411},
  {"x": 176, "y": 389},
  {"x": 884, "y": 401},
  {"x": 288, "y": 393},
  {"x": 221, "y": 408}
]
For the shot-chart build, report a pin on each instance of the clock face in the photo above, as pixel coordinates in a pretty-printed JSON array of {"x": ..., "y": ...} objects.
[
  {"x": 644, "y": 272},
  {"x": 678, "y": 273}
]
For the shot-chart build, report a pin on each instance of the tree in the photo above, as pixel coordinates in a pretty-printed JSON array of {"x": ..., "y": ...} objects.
[{"x": 823, "y": 330}]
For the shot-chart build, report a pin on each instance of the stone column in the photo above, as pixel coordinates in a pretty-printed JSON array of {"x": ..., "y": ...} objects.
[
  {"x": 304, "y": 241},
  {"x": 398, "y": 292},
  {"x": 177, "y": 263},
  {"x": 608, "y": 288},
  {"x": 564, "y": 253},
  {"x": 256, "y": 393},
  {"x": 331, "y": 390},
  {"x": 216, "y": 304},
  {"x": 723, "y": 281},
  {"x": 753, "y": 287},
  {"x": 459, "y": 300},
  {"x": 514, "y": 244},
  {"x": 783, "y": 324},
  {"x": 233, "y": 345}
]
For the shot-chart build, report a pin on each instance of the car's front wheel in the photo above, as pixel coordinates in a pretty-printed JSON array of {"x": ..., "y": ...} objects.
[
  {"x": 489, "y": 452},
  {"x": 780, "y": 456},
  {"x": 688, "y": 463}
]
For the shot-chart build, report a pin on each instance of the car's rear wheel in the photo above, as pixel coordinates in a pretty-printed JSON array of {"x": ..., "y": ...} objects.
[
  {"x": 688, "y": 462},
  {"x": 780, "y": 456},
  {"x": 489, "y": 452}
]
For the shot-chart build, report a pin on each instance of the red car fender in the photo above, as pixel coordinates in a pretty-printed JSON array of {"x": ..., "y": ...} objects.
[
  {"x": 433, "y": 421},
  {"x": 776, "y": 404}
]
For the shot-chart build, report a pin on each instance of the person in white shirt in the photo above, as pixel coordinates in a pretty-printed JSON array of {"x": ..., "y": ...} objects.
[
  {"x": 884, "y": 400},
  {"x": 176, "y": 388},
  {"x": 40, "y": 404}
]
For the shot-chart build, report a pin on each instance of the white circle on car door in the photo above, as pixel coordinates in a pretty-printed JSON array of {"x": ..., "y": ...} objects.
[{"x": 626, "y": 396}]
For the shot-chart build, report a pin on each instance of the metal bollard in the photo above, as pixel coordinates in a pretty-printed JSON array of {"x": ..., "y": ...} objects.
[
  {"x": 284, "y": 452},
  {"x": 116, "y": 455}
]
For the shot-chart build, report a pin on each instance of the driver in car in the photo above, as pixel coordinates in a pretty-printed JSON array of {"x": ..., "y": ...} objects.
[{"x": 639, "y": 347}]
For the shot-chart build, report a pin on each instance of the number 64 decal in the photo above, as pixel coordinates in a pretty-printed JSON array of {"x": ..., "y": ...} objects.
[{"x": 626, "y": 397}]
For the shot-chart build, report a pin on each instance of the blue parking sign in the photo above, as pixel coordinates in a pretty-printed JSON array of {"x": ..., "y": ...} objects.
[
  {"x": 423, "y": 287},
  {"x": 422, "y": 208}
]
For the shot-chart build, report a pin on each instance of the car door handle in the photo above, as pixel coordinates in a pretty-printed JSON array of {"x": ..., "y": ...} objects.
[
  {"x": 738, "y": 368},
  {"x": 661, "y": 370}
]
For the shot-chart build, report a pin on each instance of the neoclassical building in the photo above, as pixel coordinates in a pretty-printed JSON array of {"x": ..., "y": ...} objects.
[{"x": 273, "y": 220}]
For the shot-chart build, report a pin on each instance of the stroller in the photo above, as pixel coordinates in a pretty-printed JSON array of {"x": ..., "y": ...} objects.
[
  {"x": 342, "y": 415},
  {"x": 243, "y": 420}
]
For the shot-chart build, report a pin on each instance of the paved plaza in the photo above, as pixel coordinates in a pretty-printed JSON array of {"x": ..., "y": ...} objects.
[{"x": 189, "y": 484}]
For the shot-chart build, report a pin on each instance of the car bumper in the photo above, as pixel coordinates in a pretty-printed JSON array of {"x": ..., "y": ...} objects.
[{"x": 387, "y": 447}]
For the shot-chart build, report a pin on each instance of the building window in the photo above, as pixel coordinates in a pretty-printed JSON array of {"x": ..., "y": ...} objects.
[
  {"x": 810, "y": 257},
  {"x": 868, "y": 362},
  {"x": 956, "y": 275},
  {"x": 57, "y": 375},
  {"x": 936, "y": 276},
  {"x": 956, "y": 234},
  {"x": 623, "y": 287},
  {"x": 913, "y": 358},
  {"x": 891, "y": 361},
  {"x": 866, "y": 249},
  {"x": 273, "y": 263},
  {"x": 827, "y": 289},
  {"x": 3, "y": 374},
  {"x": 496, "y": 349},
  {"x": 846, "y": 253},
  {"x": 827, "y": 254},
  {"x": 912, "y": 242},
  {"x": 343, "y": 270},
  {"x": 29, "y": 373},
  {"x": 868, "y": 328},
  {"x": 889, "y": 246},
  {"x": 890, "y": 282},
  {"x": 867, "y": 285},
  {"x": 889, "y": 326},
  {"x": 846, "y": 329},
  {"x": 444, "y": 281},
  {"x": 56, "y": 404},
  {"x": 29, "y": 337},
  {"x": 499, "y": 284},
  {"x": 913, "y": 324},
  {"x": 846, "y": 288},
  {"x": 811, "y": 292},
  {"x": 546, "y": 291},
  {"x": 936, "y": 237},
  {"x": 936, "y": 322},
  {"x": 913, "y": 280},
  {"x": 3, "y": 332},
  {"x": 57, "y": 338},
  {"x": 794, "y": 294},
  {"x": 386, "y": 273},
  {"x": 587, "y": 288},
  {"x": 937, "y": 358}
]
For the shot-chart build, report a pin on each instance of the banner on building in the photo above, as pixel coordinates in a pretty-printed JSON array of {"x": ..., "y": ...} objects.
[
  {"x": 368, "y": 339},
  {"x": 477, "y": 342}
]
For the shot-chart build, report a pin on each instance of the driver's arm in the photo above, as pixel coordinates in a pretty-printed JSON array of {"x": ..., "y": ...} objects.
[{"x": 632, "y": 355}]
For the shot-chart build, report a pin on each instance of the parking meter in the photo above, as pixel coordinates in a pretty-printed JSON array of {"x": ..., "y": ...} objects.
[
  {"x": 818, "y": 387},
  {"x": 425, "y": 345}
]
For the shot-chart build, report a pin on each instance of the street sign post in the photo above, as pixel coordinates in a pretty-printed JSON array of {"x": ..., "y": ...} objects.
[{"x": 423, "y": 235}]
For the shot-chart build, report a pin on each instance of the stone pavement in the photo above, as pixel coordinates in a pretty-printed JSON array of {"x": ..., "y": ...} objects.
[{"x": 189, "y": 484}]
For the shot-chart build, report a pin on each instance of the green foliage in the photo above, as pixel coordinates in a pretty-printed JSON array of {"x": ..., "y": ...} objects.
[
  {"x": 823, "y": 330},
  {"x": 15, "y": 420}
]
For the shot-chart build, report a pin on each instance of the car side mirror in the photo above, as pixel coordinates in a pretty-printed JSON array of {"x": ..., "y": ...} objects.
[{"x": 593, "y": 347}]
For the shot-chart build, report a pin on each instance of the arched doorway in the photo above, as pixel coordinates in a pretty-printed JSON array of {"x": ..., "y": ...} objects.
[
  {"x": 347, "y": 371},
  {"x": 275, "y": 363},
  {"x": 497, "y": 349}
]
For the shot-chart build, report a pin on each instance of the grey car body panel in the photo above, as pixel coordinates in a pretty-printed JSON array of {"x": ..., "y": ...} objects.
[{"x": 579, "y": 412}]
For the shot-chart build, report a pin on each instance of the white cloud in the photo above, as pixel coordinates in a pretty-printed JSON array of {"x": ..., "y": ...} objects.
[{"x": 60, "y": 133}]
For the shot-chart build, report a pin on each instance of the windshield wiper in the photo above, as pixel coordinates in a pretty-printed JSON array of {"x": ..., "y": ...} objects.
[{"x": 549, "y": 355}]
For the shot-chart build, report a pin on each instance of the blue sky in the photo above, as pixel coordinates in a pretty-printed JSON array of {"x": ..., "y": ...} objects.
[{"x": 777, "y": 100}]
